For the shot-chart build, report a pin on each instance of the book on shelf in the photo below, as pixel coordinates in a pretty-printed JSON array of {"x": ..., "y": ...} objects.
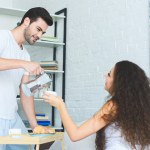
[
  {"x": 49, "y": 63},
  {"x": 50, "y": 68},
  {"x": 40, "y": 114},
  {"x": 42, "y": 118},
  {"x": 49, "y": 38},
  {"x": 44, "y": 123}
]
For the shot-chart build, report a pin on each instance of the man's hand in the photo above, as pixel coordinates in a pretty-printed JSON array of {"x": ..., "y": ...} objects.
[
  {"x": 33, "y": 68},
  {"x": 43, "y": 129}
]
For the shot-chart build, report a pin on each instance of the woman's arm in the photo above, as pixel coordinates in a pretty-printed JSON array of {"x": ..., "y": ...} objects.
[{"x": 78, "y": 132}]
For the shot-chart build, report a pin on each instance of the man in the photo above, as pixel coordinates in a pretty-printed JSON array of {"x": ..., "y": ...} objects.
[{"x": 15, "y": 67}]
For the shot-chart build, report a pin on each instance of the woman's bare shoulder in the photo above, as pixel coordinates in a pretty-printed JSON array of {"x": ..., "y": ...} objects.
[{"x": 108, "y": 108}]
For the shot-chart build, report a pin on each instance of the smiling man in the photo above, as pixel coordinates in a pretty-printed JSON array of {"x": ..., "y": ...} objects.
[{"x": 15, "y": 67}]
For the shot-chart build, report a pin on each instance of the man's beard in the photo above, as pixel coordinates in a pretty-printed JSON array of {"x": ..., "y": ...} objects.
[{"x": 28, "y": 37}]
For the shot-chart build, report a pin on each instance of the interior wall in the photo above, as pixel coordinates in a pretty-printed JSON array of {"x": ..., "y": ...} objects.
[
  {"x": 6, "y": 3},
  {"x": 99, "y": 34}
]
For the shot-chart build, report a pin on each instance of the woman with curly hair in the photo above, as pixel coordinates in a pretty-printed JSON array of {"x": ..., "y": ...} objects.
[{"x": 123, "y": 123}]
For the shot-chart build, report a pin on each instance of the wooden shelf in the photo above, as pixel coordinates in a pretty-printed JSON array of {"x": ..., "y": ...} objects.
[{"x": 21, "y": 12}]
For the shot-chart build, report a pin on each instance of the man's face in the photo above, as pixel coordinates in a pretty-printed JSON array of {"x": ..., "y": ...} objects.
[{"x": 35, "y": 30}]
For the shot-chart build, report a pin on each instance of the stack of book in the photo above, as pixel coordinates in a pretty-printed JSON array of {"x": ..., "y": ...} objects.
[
  {"x": 49, "y": 65},
  {"x": 49, "y": 38},
  {"x": 42, "y": 119}
]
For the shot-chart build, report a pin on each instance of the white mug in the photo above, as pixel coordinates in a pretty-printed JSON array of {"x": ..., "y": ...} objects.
[
  {"x": 48, "y": 92},
  {"x": 51, "y": 92}
]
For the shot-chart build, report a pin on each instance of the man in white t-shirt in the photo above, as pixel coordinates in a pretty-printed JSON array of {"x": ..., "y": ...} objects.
[{"x": 15, "y": 67}]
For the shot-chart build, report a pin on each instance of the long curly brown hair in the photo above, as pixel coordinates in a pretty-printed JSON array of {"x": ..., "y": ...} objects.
[{"x": 131, "y": 94}]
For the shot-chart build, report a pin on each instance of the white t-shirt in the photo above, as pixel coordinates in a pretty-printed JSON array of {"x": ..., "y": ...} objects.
[
  {"x": 115, "y": 141},
  {"x": 10, "y": 79}
]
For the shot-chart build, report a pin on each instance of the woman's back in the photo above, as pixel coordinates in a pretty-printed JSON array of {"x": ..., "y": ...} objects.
[{"x": 115, "y": 141}]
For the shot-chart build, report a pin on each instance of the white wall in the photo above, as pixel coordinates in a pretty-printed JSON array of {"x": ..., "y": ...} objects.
[
  {"x": 99, "y": 33},
  {"x": 6, "y": 3}
]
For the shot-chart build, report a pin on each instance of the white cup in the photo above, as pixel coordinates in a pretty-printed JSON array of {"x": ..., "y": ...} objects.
[
  {"x": 14, "y": 131},
  {"x": 51, "y": 92}
]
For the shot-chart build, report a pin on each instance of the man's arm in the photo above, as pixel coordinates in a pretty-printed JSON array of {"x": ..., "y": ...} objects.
[
  {"x": 28, "y": 105},
  {"x": 7, "y": 64},
  {"x": 31, "y": 67}
]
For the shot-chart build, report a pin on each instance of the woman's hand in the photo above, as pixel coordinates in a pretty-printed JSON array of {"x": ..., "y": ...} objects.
[{"x": 52, "y": 99}]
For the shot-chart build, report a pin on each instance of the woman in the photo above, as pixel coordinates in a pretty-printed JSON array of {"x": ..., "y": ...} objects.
[{"x": 123, "y": 123}]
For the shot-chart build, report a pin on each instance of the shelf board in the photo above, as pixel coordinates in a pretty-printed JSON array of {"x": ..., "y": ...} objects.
[
  {"x": 47, "y": 44},
  {"x": 36, "y": 99},
  {"x": 21, "y": 12},
  {"x": 53, "y": 71}
]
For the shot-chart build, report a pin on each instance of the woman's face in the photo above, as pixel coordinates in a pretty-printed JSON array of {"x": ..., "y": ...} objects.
[{"x": 109, "y": 80}]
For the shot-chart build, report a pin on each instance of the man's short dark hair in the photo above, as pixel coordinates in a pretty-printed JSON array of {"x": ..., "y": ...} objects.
[{"x": 38, "y": 12}]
